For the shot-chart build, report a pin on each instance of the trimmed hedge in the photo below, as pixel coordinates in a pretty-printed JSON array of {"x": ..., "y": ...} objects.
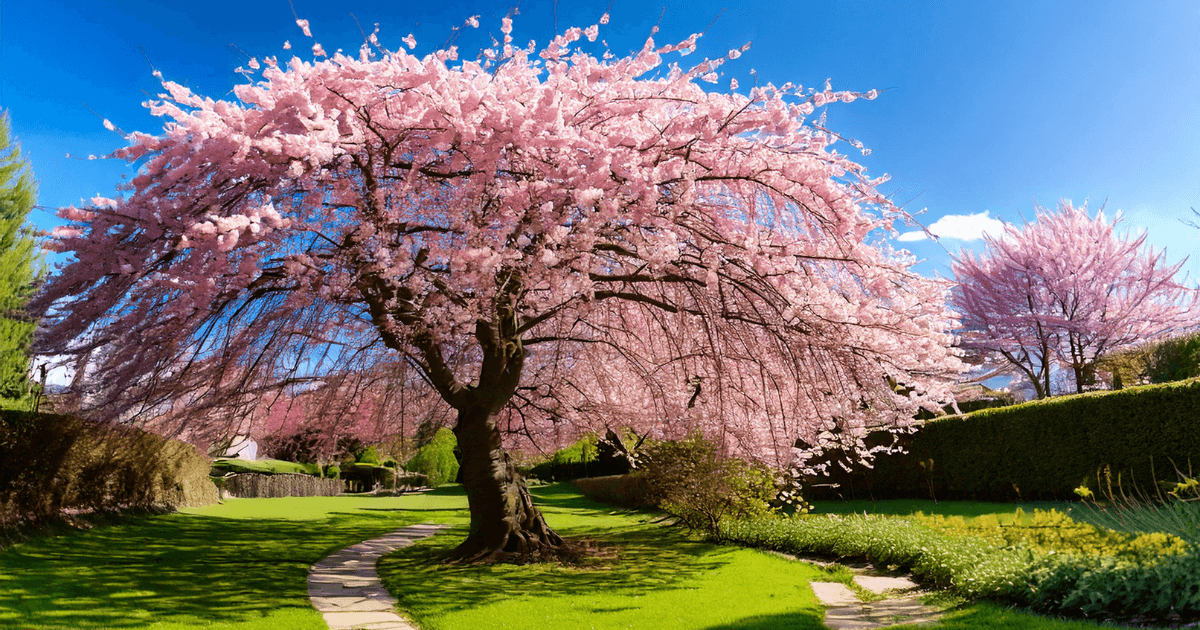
[
  {"x": 629, "y": 490},
  {"x": 1043, "y": 450},
  {"x": 258, "y": 486},
  {"x": 50, "y": 463}
]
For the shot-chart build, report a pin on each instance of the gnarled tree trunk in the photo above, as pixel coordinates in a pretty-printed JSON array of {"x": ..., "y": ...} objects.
[{"x": 503, "y": 516}]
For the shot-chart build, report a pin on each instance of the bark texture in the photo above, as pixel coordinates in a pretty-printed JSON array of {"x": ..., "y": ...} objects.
[{"x": 504, "y": 519}]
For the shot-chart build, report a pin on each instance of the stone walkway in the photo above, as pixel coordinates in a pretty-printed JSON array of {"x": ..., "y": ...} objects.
[
  {"x": 901, "y": 603},
  {"x": 346, "y": 589}
]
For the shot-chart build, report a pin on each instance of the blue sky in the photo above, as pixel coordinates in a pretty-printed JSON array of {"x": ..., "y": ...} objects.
[{"x": 987, "y": 106}]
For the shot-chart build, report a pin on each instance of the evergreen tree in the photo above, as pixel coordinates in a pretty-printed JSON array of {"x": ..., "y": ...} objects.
[{"x": 20, "y": 265}]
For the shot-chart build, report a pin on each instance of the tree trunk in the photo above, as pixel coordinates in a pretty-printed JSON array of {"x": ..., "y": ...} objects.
[{"x": 504, "y": 519}]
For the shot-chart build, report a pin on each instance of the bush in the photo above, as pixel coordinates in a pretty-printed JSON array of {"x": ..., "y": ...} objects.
[
  {"x": 365, "y": 477},
  {"x": 332, "y": 471},
  {"x": 368, "y": 456},
  {"x": 436, "y": 458},
  {"x": 1045, "y": 449},
  {"x": 584, "y": 458},
  {"x": 975, "y": 568},
  {"x": 691, "y": 481},
  {"x": 49, "y": 463},
  {"x": 256, "y": 486}
]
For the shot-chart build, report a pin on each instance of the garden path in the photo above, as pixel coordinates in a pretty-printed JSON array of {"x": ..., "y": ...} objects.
[
  {"x": 345, "y": 588},
  {"x": 900, "y": 603}
]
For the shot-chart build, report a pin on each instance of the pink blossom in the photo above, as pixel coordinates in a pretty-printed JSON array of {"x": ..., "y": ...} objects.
[{"x": 303, "y": 24}]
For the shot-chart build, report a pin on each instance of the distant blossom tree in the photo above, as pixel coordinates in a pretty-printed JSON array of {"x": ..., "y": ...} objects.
[
  {"x": 546, "y": 237},
  {"x": 1063, "y": 291}
]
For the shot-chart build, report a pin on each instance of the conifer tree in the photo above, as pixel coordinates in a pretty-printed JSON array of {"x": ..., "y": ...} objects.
[{"x": 19, "y": 264}]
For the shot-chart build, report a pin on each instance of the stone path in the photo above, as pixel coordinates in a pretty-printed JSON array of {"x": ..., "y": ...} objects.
[
  {"x": 345, "y": 588},
  {"x": 901, "y": 603}
]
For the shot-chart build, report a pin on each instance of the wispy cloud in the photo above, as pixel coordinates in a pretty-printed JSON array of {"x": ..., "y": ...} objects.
[{"x": 962, "y": 227}]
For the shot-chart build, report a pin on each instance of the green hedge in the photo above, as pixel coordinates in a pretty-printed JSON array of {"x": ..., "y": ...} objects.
[
  {"x": 257, "y": 486},
  {"x": 50, "y": 463},
  {"x": 1043, "y": 450}
]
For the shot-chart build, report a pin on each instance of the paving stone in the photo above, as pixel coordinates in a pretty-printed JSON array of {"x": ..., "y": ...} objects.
[
  {"x": 881, "y": 583},
  {"x": 345, "y": 588},
  {"x": 834, "y": 594}
]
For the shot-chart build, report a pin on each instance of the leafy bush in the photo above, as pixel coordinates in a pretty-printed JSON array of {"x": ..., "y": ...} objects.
[
  {"x": 976, "y": 568},
  {"x": 1045, "y": 449},
  {"x": 436, "y": 458},
  {"x": 691, "y": 481},
  {"x": 332, "y": 471},
  {"x": 49, "y": 463},
  {"x": 368, "y": 456},
  {"x": 584, "y": 458},
  {"x": 1051, "y": 530},
  {"x": 362, "y": 477}
]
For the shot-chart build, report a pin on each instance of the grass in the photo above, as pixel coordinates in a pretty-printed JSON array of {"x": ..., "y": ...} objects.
[
  {"x": 645, "y": 576},
  {"x": 236, "y": 566},
  {"x": 243, "y": 565}
]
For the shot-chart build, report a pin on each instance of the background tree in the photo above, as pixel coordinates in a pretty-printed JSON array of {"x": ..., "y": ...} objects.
[
  {"x": 504, "y": 225},
  {"x": 19, "y": 265},
  {"x": 1064, "y": 290}
]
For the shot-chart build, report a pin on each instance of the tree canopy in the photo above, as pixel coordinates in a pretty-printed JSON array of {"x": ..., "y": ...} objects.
[
  {"x": 551, "y": 238},
  {"x": 1064, "y": 291}
]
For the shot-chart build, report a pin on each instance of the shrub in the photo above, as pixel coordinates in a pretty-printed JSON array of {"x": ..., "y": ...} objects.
[
  {"x": 975, "y": 568},
  {"x": 49, "y": 463},
  {"x": 1051, "y": 530},
  {"x": 436, "y": 458},
  {"x": 691, "y": 481},
  {"x": 365, "y": 477},
  {"x": 368, "y": 456},
  {"x": 585, "y": 458},
  {"x": 332, "y": 471},
  {"x": 1045, "y": 449}
]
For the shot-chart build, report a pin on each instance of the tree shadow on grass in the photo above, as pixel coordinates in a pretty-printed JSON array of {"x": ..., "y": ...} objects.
[
  {"x": 632, "y": 561},
  {"x": 798, "y": 620},
  {"x": 179, "y": 568}
]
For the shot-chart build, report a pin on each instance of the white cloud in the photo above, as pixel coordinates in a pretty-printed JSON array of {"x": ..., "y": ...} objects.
[{"x": 962, "y": 227}]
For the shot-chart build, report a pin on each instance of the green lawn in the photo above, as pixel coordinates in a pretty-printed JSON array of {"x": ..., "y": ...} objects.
[
  {"x": 646, "y": 576},
  {"x": 235, "y": 566},
  {"x": 243, "y": 565}
]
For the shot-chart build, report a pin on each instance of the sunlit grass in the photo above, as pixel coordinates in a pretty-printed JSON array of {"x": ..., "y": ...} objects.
[
  {"x": 642, "y": 576},
  {"x": 235, "y": 566}
]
